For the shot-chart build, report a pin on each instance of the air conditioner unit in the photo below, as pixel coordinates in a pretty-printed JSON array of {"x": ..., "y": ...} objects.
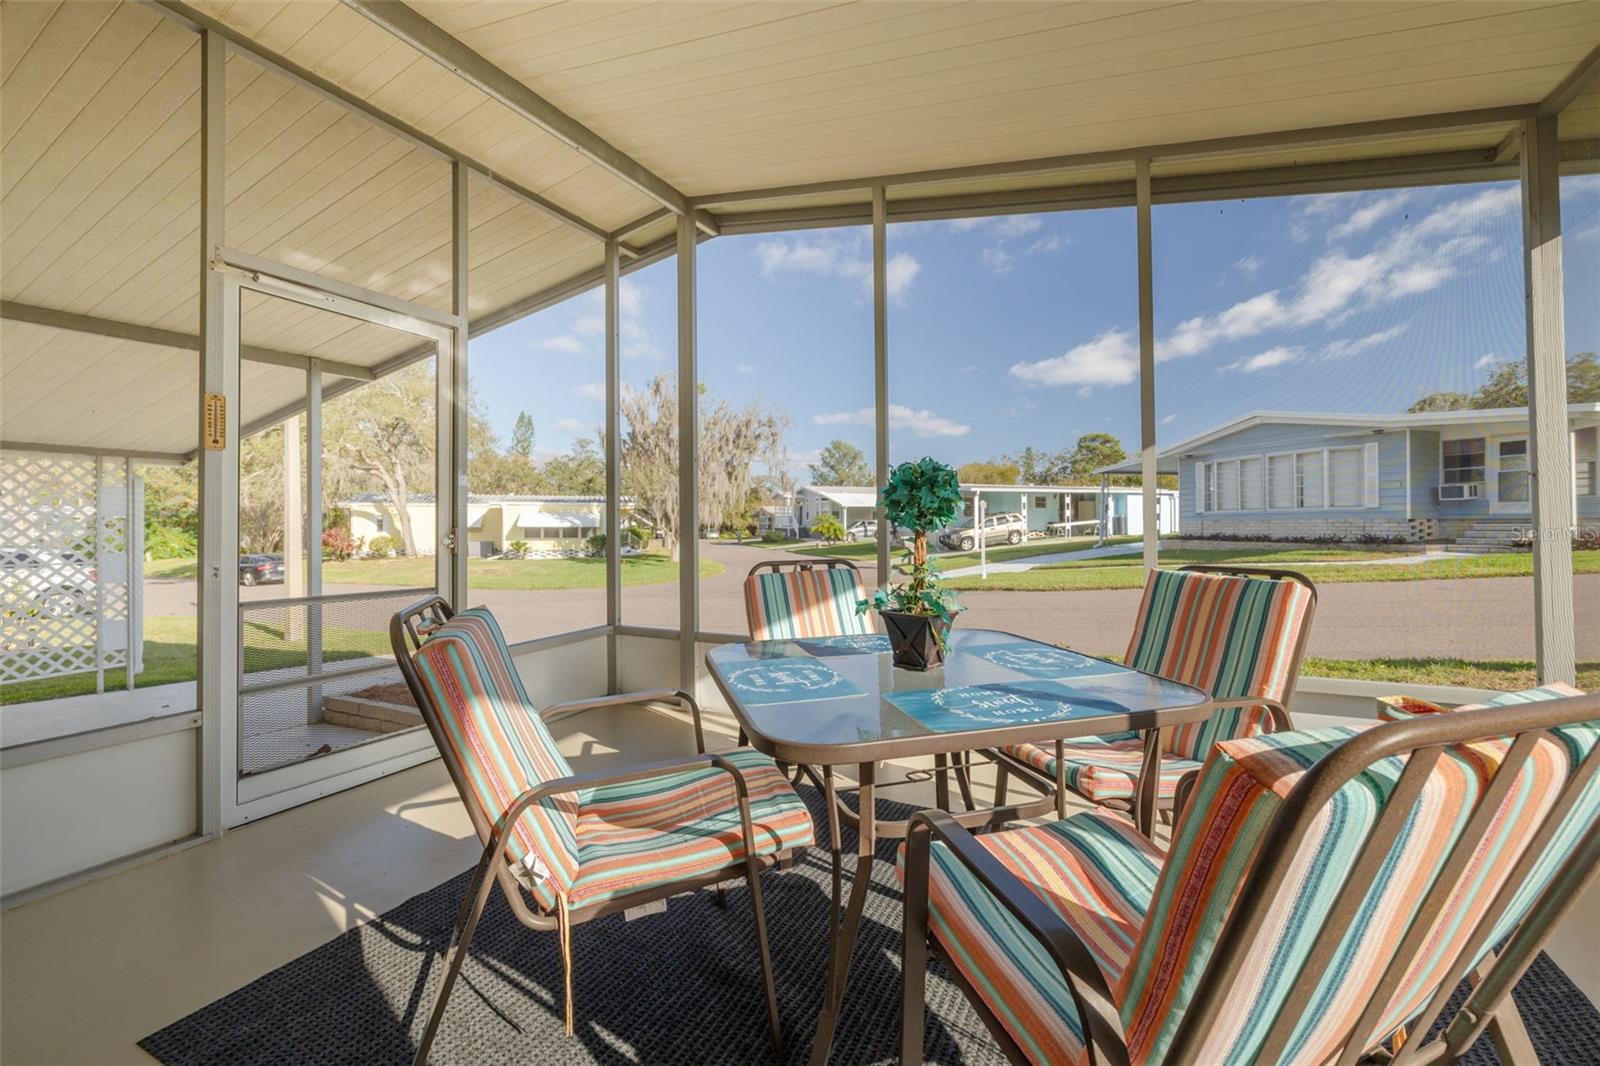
[{"x": 1469, "y": 490}]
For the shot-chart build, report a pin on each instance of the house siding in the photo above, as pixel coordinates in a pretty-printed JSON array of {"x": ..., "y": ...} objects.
[{"x": 1387, "y": 520}]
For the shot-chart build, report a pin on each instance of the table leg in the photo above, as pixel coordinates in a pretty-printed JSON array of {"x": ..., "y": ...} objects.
[
  {"x": 1144, "y": 802},
  {"x": 842, "y": 934},
  {"x": 941, "y": 781},
  {"x": 963, "y": 769}
]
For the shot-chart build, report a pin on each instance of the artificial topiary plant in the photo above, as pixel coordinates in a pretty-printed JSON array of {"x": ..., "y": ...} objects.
[{"x": 921, "y": 496}]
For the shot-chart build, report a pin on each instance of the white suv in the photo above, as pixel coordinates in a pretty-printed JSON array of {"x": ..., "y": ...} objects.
[{"x": 1007, "y": 528}]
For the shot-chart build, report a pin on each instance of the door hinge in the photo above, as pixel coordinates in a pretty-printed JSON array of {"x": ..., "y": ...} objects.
[{"x": 450, "y": 541}]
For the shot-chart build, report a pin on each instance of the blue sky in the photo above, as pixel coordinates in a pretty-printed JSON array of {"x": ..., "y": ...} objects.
[{"x": 1022, "y": 330}]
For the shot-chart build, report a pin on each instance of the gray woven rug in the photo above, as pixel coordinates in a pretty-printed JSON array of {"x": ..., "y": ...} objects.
[{"x": 680, "y": 988}]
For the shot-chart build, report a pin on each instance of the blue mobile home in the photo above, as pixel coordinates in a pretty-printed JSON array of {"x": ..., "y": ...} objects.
[{"x": 1438, "y": 476}]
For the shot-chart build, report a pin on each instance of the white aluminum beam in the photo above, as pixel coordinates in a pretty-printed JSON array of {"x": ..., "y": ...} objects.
[
  {"x": 1351, "y": 131},
  {"x": 880, "y": 367},
  {"x": 197, "y": 20},
  {"x": 613, "y": 454},
  {"x": 1549, "y": 439},
  {"x": 218, "y": 600},
  {"x": 688, "y": 459},
  {"x": 161, "y": 458},
  {"x": 166, "y": 338},
  {"x": 1573, "y": 85},
  {"x": 455, "y": 476},
  {"x": 449, "y": 52},
  {"x": 1149, "y": 480}
]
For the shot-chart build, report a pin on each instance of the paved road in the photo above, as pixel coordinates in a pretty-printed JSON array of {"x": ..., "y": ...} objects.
[{"x": 1481, "y": 618}]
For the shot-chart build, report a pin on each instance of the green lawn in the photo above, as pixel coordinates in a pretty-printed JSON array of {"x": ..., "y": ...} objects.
[
  {"x": 652, "y": 568},
  {"x": 169, "y": 656},
  {"x": 866, "y": 549},
  {"x": 1507, "y": 675},
  {"x": 1325, "y": 566}
]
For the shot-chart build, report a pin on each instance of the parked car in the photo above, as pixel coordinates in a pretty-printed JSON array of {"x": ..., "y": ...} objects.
[
  {"x": 260, "y": 569},
  {"x": 867, "y": 529},
  {"x": 1006, "y": 528},
  {"x": 56, "y": 584}
]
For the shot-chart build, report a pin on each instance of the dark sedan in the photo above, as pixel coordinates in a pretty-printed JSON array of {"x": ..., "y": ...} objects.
[{"x": 260, "y": 569}]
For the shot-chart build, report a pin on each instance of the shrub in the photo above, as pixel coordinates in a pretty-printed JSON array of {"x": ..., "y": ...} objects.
[
  {"x": 383, "y": 546},
  {"x": 597, "y": 544},
  {"x": 774, "y": 536},
  {"x": 339, "y": 545},
  {"x": 165, "y": 542},
  {"x": 517, "y": 549},
  {"x": 829, "y": 528}
]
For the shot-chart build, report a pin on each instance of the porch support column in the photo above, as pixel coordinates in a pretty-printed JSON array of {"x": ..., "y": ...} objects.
[
  {"x": 688, "y": 460},
  {"x": 1549, "y": 439},
  {"x": 1147, "y": 370},
  {"x": 613, "y": 450},
  {"x": 453, "y": 395},
  {"x": 313, "y": 534},
  {"x": 218, "y": 606},
  {"x": 880, "y": 366}
]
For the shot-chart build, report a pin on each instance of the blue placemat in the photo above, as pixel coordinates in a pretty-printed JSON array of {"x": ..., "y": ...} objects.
[
  {"x": 1002, "y": 704},
  {"x": 855, "y": 644},
  {"x": 786, "y": 681},
  {"x": 1041, "y": 660}
]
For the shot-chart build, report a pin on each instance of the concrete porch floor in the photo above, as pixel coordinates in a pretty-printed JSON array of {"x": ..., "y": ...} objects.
[{"x": 88, "y": 972}]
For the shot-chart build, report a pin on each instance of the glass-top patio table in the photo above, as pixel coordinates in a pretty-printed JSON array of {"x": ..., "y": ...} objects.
[{"x": 839, "y": 701}]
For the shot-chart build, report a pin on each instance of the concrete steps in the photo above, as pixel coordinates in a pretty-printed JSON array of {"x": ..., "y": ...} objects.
[{"x": 1494, "y": 535}]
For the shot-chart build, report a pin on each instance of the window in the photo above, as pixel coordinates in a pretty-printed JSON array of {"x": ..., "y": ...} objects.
[
  {"x": 1038, "y": 502},
  {"x": 1252, "y": 490},
  {"x": 1344, "y": 477},
  {"x": 1280, "y": 482},
  {"x": 1228, "y": 485},
  {"x": 377, "y": 524},
  {"x": 1513, "y": 484},
  {"x": 1309, "y": 485},
  {"x": 1463, "y": 461}
]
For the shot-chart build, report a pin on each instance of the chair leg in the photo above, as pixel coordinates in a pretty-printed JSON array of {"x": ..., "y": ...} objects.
[
  {"x": 914, "y": 951},
  {"x": 1002, "y": 781},
  {"x": 768, "y": 980},
  {"x": 564, "y": 928},
  {"x": 963, "y": 771},
  {"x": 478, "y": 890}
]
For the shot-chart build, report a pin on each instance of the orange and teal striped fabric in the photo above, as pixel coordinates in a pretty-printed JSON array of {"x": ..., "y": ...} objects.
[
  {"x": 795, "y": 604},
  {"x": 1178, "y": 921},
  {"x": 1228, "y": 635},
  {"x": 1095, "y": 870},
  {"x": 666, "y": 829},
  {"x": 1105, "y": 768},
  {"x": 1224, "y": 634},
  {"x": 609, "y": 841},
  {"x": 496, "y": 735}
]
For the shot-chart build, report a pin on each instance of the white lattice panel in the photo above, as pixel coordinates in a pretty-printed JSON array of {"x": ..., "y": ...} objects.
[{"x": 68, "y": 564}]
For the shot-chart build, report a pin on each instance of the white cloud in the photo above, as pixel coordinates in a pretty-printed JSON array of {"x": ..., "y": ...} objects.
[
  {"x": 636, "y": 340},
  {"x": 1112, "y": 358},
  {"x": 1414, "y": 258},
  {"x": 1248, "y": 265},
  {"x": 1167, "y": 421},
  {"x": 1017, "y": 225},
  {"x": 745, "y": 368},
  {"x": 1265, "y": 361},
  {"x": 922, "y": 423},
  {"x": 962, "y": 225},
  {"x": 594, "y": 390},
  {"x": 1485, "y": 361},
  {"x": 836, "y": 258},
  {"x": 1369, "y": 214},
  {"x": 1053, "y": 243},
  {"x": 998, "y": 260},
  {"x": 563, "y": 343},
  {"x": 1345, "y": 347},
  {"x": 573, "y": 425},
  {"x": 590, "y": 325}
]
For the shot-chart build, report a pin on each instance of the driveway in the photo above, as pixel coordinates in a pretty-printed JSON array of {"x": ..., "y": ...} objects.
[{"x": 1479, "y": 618}]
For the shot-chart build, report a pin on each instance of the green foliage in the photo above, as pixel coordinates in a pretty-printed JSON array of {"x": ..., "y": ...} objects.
[
  {"x": 829, "y": 529},
  {"x": 992, "y": 472},
  {"x": 840, "y": 463},
  {"x": 1508, "y": 387},
  {"x": 774, "y": 536},
  {"x": 165, "y": 542},
  {"x": 523, "y": 436},
  {"x": 581, "y": 472},
  {"x": 597, "y": 544},
  {"x": 383, "y": 545},
  {"x": 920, "y": 496},
  {"x": 518, "y": 548}
]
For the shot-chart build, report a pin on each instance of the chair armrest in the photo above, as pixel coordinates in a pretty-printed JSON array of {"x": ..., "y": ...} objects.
[
  {"x": 1279, "y": 714},
  {"x": 655, "y": 695},
  {"x": 1091, "y": 993},
  {"x": 1181, "y": 794}
]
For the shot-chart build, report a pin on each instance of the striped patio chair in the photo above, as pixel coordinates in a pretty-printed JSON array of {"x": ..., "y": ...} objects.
[
  {"x": 1235, "y": 633},
  {"x": 1325, "y": 893},
  {"x": 568, "y": 848},
  {"x": 791, "y": 599}
]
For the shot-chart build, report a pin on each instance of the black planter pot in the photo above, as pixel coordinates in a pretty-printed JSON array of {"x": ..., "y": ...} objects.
[{"x": 916, "y": 640}]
